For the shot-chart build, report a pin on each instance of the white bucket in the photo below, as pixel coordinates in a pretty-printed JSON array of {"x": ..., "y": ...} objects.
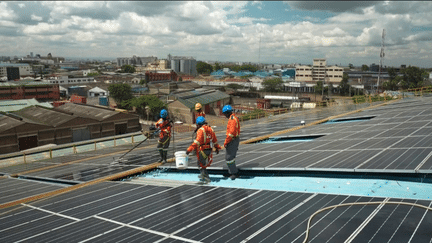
[{"x": 182, "y": 160}]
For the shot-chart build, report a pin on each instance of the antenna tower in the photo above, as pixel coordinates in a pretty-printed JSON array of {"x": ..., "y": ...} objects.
[
  {"x": 381, "y": 57},
  {"x": 259, "y": 53}
]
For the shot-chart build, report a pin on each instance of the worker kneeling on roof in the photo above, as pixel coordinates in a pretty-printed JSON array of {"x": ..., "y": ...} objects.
[
  {"x": 164, "y": 129},
  {"x": 202, "y": 145}
]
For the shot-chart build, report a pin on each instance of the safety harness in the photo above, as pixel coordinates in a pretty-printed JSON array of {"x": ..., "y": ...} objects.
[{"x": 201, "y": 149}]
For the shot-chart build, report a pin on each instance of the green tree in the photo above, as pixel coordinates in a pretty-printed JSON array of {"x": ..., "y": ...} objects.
[
  {"x": 364, "y": 68},
  {"x": 344, "y": 87},
  {"x": 273, "y": 85},
  {"x": 153, "y": 102},
  {"x": 413, "y": 77},
  {"x": 235, "y": 86},
  {"x": 143, "y": 82},
  {"x": 319, "y": 87},
  {"x": 120, "y": 93},
  {"x": 203, "y": 67},
  {"x": 217, "y": 66},
  {"x": 92, "y": 74},
  {"x": 127, "y": 69},
  {"x": 392, "y": 84}
]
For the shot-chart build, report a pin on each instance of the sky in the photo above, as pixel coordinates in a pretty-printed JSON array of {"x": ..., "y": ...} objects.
[{"x": 240, "y": 31}]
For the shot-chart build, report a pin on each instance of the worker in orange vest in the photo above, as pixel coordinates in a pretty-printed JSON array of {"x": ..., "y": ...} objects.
[
  {"x": 198, "y": 111},
  {"x": 205, "y": 136},
  {"x": 232, "y": 141},
  {"x": 164, "y": 129}
]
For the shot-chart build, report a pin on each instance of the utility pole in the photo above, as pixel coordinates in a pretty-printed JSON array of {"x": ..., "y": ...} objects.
[
  {"x": 259, "y": 53},
  {"x": 381, "y": 57}
]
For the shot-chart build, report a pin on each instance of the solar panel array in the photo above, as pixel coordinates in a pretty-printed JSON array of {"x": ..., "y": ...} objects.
[{"x": 117, "y": 212}]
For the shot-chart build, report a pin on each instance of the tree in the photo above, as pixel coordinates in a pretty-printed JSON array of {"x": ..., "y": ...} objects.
[
  {"x": 273, "y": 85},
  {"x": 364, "y": 68},
  {"x": 392, "y": 84},
  {"x": 217, "y": 66},
  {"x": 350, "y": 66},
  {"x": 127, "y": 69},
  {"x": 153, "y": 102},
  {"x": 413, "y": 77},
  {"x": 344, "y": 87},
  {"x": 143, "y": 82},
  {"x": 120, "y": 93},
  {"x": 203, "y": 67},
  {"x": 319, "y": 87}
]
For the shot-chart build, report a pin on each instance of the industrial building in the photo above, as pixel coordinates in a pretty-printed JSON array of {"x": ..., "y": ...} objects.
[
  {"x": 134, "y": 60},
  {"x": 28, "y": 90},
  {"x": 184, "y": 102},
  {"x": 185, "y": 65},
  {"x": 36, "y": 126}
]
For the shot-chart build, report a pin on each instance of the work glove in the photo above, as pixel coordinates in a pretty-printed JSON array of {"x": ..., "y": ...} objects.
[
  {"x": 216, "y": 150},
  {"x": 157, "y": 132},
  {"x": 187, "y": 152}
]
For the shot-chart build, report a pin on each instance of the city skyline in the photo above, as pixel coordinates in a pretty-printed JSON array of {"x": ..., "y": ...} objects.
[{"x": 290, "y": 32}]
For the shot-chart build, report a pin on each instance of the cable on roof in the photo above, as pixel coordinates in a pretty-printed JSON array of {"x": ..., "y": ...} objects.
[{"x": 358, "y": 203}]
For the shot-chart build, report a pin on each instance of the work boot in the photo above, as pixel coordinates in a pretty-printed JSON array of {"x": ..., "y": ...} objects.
[
  {"x": 206, "y": 180},
  {"x": 165, "y": 154},
  {"x": 234, "y": 176},
  {"x": 161, "y": 155}
]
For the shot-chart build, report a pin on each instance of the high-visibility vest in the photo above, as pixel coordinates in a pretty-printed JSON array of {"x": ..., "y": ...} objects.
[{"x": 165, "y": 127}]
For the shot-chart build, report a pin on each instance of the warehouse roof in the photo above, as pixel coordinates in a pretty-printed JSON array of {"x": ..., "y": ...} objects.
[
  {"x": 7, "y": 123},
  {"x": 190, "y": 98},
  {"x": 44, "y": 116},
  {"x": 23, "y": 83},
  {"x": 15, "y": 105},
  {"x": 87, "y": 111}
]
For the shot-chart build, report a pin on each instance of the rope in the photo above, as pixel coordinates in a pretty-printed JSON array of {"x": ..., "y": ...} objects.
[{"x": 358, "y": 203}]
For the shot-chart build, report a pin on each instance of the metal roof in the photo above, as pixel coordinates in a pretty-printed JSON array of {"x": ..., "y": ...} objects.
[
  {"x": 15, "y": 105},
  {"x": 87, "y": 111},
  {"x": 23, "y": 83},
  {"x": 44, "y": 116},
  {"x": 7, "y": 123},
  {"x": 190, "y": 98}
]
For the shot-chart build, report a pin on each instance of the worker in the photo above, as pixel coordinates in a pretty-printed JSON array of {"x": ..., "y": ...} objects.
[
  {"x": 198, "y": 111},
  {"x": 232, "y": 141},
  {"x": 164, "y": 129},
  {"x": 202, "y": 146}
]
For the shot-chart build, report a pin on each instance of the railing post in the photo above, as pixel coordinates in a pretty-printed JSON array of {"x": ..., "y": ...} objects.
[
  {"x": 132, "y": 139},
  {"x": 50, "y": 153},
  {"x": 95, "y": 146},
  {"x": 24, "y": 157},
  {"x": 114, "y": 141}
]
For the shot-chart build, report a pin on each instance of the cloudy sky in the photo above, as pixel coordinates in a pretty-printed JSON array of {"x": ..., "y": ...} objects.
[{"x": 266, "y": 32}]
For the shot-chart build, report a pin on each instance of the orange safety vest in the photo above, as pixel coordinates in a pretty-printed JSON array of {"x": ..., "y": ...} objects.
[
  {"x": 165, "y": 127},
  {"x": 233, "y": 129},
  {"x": 198, "y": 114},
  {"x": 205, "y": 135}
]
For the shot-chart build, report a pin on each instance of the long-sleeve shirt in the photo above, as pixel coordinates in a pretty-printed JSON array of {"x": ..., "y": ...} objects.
[
  {"x": 165, "y": 127},
  {"x": 233, "y": 129},
  {"x": 205, "y": 135}
]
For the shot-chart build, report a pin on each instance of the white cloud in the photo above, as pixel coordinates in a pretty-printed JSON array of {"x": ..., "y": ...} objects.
[{"x": 36, "y": 18}]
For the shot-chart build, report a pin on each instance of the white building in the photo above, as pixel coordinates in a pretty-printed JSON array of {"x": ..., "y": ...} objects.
[
  {"x": 24, "y": 69},
  {"x": 96, "y": 91},
  {"x": 67, "y": 80}
]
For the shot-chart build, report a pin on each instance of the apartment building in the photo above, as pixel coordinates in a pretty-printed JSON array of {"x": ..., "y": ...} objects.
[
  {"x": 28, "y": 90},
  {"x": 319, "y": 71},
  {"x": 71, "y": 80}
]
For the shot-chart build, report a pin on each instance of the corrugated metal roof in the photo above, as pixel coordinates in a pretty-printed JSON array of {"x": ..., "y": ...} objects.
[
  {"x": 44, "y": 116},
  {"x": 87, "y": 111},
  {"x": 190, "y": 98},
  {"x": 23, "y": 83},
  {"x": 15, "y": 105},
  {"x": 7, "y": 123}
]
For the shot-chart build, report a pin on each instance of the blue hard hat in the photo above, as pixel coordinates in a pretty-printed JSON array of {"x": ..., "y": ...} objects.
[
  {"x": 200, "y": 120},
  {"x": 226, "y": 109},
  {"x": 163, "y": 113}
]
